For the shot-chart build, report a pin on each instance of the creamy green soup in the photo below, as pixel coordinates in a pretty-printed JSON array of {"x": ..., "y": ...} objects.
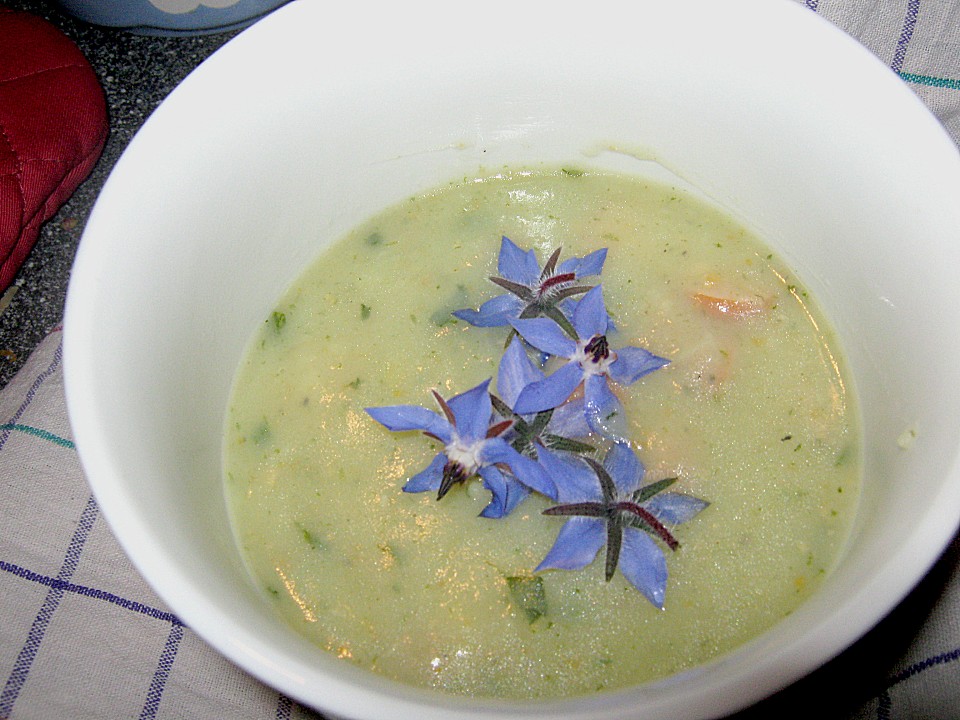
[{"x": 754, "y": 414}]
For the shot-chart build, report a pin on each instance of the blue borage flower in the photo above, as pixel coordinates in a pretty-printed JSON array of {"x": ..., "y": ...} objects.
[
  {"x": 532, "y": 291},
  {"x": 533, "y": 436},
  {"x": 607, "y": 505},
  {"x": 472, "y": 446},
  {"x": 590, "y": 362}
]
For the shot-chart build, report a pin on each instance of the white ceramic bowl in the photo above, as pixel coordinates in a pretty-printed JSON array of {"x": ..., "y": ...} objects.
[{"x": 310, "y": 122}]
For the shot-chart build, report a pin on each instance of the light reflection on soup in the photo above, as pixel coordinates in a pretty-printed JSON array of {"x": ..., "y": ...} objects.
[{"x": 754, "y": 414}]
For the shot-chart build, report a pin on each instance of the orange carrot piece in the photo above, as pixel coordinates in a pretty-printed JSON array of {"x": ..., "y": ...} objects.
[{"x": 729, "y": 307}]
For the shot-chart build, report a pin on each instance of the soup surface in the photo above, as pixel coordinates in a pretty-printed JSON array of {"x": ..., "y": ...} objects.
[{"x": 753, "y": 414}]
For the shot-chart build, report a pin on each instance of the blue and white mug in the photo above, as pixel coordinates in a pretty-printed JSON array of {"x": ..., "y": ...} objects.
[{"x": 171, "y": 17}]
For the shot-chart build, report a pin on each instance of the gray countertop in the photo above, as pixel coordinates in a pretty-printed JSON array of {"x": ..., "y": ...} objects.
[{"x": 136, "y": 74}]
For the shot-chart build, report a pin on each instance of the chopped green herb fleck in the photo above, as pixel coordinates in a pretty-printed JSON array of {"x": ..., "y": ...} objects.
[
  {"x": 458, "y": 298},
  {"x": 278, "y": 319},
  {"x": 355, "y": 383},
  {"x": 571, "y": 172},
  {"x": 528, "y": 593},
  {"x": 364, "y": 311},
  {"x": 374, "y": 239},
  {"x": 843, "y": 457},
  {"x": 310, "y": 538},
  {"x": 262, "y": 432},
  {"x": 441, "y": 318}
]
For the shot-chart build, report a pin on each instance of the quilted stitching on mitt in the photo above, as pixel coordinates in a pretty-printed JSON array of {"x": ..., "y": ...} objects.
[{"x": 53, "y": 125}]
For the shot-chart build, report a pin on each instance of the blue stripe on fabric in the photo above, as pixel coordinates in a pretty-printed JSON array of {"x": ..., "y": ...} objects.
[
  {"x": 72, "y": 558},
  {"x": 162, "y": 673},
  {"x": 917, "y": 668},
  {"x": 906, "y": 35},
  {"x": 61, "y": 586},
  {"x": 37, "y": 432},
  {"x": 931, "y": 81},
  {"x": 284, "y": 708},
  {"x": 28, "y": 652},
  {"x": 883, "y": 706},
  {"x": 813, "y": 4},
  {"x": 32, "y": 393},
  {"x": 885, "y": 701},
  {"x": 24, "y": 661}
]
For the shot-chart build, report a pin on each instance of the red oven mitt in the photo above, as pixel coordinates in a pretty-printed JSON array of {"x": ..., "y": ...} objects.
[{"x": 53, "y": 124}]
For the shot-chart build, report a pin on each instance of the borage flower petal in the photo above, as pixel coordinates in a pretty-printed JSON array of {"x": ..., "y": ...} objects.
[
  {"x": 495, "y": 312},
  {"x": 552, "y": 391},
  {"x": 574, "y": 480},
  {"x": 603, "y": 410},
  {"x": 544, "y": 334},
  {"x": 643, "y": 564},
  {"x": 590, "y": 315},
  {"x": 507, "y": 492},
  {"x": 429, "y": 478},
  {"x": 589, "y": 264},
  {"x": 624, "y": 467},
  {"x": 568, "y": 421},
  {"x": 515, "y": 372},
  {"x": 675, "y": 508},
  {"x": 577, "y": 544},
  {"x": 516, "y": 264},
  {"x": 400, "y": 418},
  {"x": 472, "y": 410},
  {"x": 633, "y": 363}
]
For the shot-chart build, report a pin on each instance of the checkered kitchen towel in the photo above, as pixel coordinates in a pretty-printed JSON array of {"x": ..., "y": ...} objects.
[{"x": 82, "y": 635}]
